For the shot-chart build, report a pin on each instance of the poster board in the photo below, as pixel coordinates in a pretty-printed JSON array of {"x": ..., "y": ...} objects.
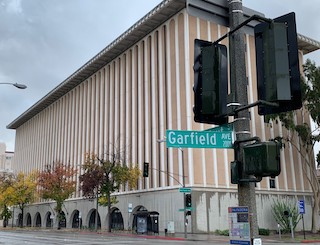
[{"x": 239, "y": 226}]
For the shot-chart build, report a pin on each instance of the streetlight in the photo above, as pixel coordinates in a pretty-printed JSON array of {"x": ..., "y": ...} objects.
[
  {"x": 183, "y": 186},
  {"x": 79, "y": 219},
  {"x": 17, "y": 85}
]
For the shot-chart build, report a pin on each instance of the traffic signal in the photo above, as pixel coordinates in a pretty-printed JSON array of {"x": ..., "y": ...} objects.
[
  {"x": 210, "y": 82},
  {"x": 188, "y": 201},
  {"x": 278, "y": 75},
  {"x": 145, "y": 169},
  {"x": 262, "y": 159},
  {"x": 236, "y": 173}
]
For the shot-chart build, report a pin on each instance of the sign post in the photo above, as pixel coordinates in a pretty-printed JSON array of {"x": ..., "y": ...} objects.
[{"x": 302, "y": 211}]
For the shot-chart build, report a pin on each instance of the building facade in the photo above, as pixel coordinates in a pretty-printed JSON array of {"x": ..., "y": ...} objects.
[
  {"x": 6, "y": 159},
  {"x": 127, "y": 96}
]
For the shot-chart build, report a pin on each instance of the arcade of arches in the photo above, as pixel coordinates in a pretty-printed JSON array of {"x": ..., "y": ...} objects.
[{"x": 75, "y": 219}]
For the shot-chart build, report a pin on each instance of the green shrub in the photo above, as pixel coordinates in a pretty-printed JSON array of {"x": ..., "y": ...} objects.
[
  {"x": 278, "y": 210},
  {"x": 264, "y": 232},
  {"x": 222, "y": 232}
]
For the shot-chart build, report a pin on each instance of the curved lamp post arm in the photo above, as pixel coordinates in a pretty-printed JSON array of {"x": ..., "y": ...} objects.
[{"x": 17, "y": 85}]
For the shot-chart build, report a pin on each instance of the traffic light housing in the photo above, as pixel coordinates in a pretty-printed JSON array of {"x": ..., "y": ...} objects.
[
  {"x": 262, "y": 159},
  {"x": 278, "y": 75},
  {"x": 236, "y": 173},
  {"x": 188, "y": 201},
  {"x": 210, "y": 82},
  {"x": 145, "y": 169}
]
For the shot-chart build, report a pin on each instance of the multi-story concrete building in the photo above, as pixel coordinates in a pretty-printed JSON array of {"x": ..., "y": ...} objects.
[
  {"x": 129, "y": 95},
  {"x": 6, "y": 159}
]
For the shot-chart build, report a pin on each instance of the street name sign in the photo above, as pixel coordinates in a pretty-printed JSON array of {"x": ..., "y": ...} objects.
[
  {"x": 185, "y": 190},
  {"x": 220, "y": 137},
  {"x": 185, "y": 209}
]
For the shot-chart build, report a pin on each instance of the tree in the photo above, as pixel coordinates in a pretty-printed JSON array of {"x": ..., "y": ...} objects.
[
  {"x": 6, "y": 181},
  {"x": 23, "y": 191},
  {"x": 57, "y": 182},
  {"x": 301, "y": 136},
  {"x": 104, "y": 176}
]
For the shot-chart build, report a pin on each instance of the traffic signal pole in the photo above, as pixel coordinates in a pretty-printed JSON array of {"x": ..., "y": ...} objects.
[
  {"x": 184, "y": 197},
  {"x": 239, "y": 94},
  {"x": 278, "y": 86}
]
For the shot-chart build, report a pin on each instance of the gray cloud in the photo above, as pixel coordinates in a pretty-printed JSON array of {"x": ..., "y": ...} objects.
[{"x": 42, "y": 42}]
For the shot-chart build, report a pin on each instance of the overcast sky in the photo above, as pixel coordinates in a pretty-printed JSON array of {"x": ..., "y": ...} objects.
[{"x": 42, "y": 42}]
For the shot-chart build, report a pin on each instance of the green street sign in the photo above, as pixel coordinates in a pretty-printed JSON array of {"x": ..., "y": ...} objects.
[
  {"x": 222, "y": 128},
  {"x": 182, "y": 209},
  {"x": 185, "y": 190},
  {"x": 220, "y": 137}
]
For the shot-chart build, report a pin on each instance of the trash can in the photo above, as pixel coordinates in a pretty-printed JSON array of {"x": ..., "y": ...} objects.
[
  {"x": 154, "y": 218},
  {"x": 145, "y": 222},
  {"x": 142, "y": 224}
]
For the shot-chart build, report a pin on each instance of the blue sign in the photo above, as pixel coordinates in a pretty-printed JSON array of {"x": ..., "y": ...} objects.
[
  {"x": 238, "y": 209},
  {"x": 239, "y": 242},
  {"x": 301, "y": 207}
]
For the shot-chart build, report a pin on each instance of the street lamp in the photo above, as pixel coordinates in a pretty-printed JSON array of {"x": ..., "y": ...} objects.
[
  {"x": 17, "y": 85},
  {"x": 183, "y": 186}
]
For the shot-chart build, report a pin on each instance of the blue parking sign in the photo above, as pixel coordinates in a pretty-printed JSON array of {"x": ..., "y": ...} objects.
[{"x": 301, "y": 207}]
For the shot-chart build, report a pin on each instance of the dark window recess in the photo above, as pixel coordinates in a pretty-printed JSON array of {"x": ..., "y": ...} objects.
[{"x": 272, "y": 183}]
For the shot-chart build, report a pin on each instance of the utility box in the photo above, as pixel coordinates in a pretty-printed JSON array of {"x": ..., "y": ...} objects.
[
  {"x": 262, "y": 159},
  {"x": 170, "y": 227}
]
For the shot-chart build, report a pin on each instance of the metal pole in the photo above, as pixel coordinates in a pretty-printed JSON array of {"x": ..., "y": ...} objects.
[
  {"x": 79, "y": 218},
  {"x": 239, "y": 94},
  {"x": 291, "y": 226},
  {"x": 304, "y": 231},
  {"x": 184, "y": 196},
  {"x": 96, "y": 218},
  {"x": 279, "y": 230},
  {"x": 13, "y": 217}
]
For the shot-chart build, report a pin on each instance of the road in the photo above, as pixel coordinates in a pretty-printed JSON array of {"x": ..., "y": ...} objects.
[
  {"x": 72, "y": 238},
  {"x": 54, "y": 237}
]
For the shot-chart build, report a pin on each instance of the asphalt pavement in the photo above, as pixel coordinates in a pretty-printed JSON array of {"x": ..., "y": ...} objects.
[{"x": 103, "y": 237}]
